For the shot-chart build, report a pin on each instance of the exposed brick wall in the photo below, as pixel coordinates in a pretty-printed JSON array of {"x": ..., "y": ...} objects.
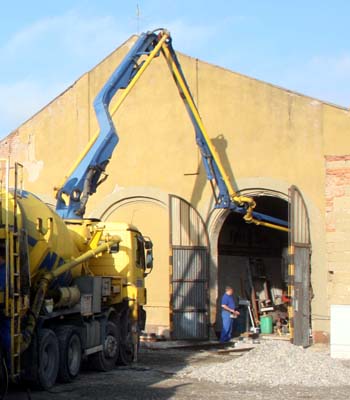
[
  {"x": 338, "y": 227},
  {"x": 337, "y": 186},
  {"x": 8, "y": 145}
]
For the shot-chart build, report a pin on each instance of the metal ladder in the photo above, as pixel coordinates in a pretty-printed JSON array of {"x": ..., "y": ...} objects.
[{"x": 13, "y": 296}]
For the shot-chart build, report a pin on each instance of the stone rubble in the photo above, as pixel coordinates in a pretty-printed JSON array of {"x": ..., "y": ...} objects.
[{"x": 276, "y": 363}]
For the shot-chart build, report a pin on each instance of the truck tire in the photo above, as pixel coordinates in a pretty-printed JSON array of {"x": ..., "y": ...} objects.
[
  {"x": 49, "y": 358},
  {"x": 69, "y": 342},
  {"x": 106, "y": 359},
  {"x": 127, "y": 350}
]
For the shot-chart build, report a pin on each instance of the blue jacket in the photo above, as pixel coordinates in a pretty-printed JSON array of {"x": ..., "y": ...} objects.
[{"x": 227, "y": 301}]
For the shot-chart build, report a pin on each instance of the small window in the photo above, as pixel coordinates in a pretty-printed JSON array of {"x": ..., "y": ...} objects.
[{"x": 140, "y": 253}]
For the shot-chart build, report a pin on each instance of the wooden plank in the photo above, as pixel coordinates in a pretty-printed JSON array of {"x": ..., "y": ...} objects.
[
  {"x": 275, "y": 337},
  {"x": 236, "y": 351}
]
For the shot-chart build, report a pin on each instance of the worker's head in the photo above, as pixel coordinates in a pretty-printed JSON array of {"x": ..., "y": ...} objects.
[{"x": 229, "y": 290}]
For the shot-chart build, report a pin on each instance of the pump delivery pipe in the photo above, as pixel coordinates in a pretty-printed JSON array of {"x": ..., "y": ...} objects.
[{"x": 48, "y": 278}]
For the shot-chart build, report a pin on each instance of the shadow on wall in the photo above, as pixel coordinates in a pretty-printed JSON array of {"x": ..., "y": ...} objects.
[
  {"x": 220, "y": 143},
  {"x": 191, "y": 269}
]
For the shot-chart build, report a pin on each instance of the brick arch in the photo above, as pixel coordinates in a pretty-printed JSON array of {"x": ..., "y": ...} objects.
[{"x": 127, "y": 196}]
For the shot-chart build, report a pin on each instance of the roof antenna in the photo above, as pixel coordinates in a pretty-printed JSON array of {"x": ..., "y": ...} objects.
[{"x": 138, "y": 17}]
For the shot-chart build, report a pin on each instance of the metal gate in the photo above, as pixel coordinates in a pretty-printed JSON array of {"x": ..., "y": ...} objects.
[
  {"x": 189, "y": 301},
  {"x": 299, "y": 288}
]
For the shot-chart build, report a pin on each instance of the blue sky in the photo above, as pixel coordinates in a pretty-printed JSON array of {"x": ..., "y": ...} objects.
[{"x": 46, "y": 45}]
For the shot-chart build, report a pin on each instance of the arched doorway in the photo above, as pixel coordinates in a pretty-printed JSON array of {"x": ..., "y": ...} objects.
[
  {"x": 254, "y": 260},
  {"x": 263, "y": 252}
]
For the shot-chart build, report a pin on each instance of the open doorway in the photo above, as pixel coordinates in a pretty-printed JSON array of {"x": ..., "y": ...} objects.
[{"x": 254, "y": 261}]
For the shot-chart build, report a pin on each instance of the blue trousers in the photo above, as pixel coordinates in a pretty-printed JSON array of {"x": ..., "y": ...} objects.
[{"x": 226, "y": 331}]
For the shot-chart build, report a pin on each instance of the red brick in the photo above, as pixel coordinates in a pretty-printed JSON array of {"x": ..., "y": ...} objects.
[
  {"x": 8, "y": 144},
  {"x": 338, "y": 171},
  {"x": 321, "y": 337},
  {"x": 345, "y": 157}
]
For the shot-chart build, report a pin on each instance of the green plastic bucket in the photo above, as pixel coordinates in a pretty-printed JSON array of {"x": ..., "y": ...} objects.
[{"x": 266, "y": 324}]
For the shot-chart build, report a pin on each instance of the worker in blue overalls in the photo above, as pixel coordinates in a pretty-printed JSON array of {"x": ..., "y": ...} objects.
[{"x": 228, "y": 313}]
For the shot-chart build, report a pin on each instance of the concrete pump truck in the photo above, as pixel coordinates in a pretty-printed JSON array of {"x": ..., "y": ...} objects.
[{"x": 73, "y": 288}]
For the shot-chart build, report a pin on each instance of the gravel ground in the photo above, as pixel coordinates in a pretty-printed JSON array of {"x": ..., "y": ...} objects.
[
  {"x": 160, "y": 376},
  {"x": 274, "y": 364}
]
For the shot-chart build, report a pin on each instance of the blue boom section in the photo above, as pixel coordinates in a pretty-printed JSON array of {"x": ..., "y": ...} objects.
[
  {"x": 211, "y": 168},
  {"x": 222, "y": 196},
  {"x": 90, "y": 172}
]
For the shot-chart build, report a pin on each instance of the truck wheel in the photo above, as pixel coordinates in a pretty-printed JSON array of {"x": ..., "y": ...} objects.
[
  {"x": 70, "y": 353},
  {"x": 106, "y": 359},
  {"x": 127, "y": 350},
  {"x": 48, "y": 359}
]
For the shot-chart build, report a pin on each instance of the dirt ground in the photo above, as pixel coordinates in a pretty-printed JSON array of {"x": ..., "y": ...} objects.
[{"x": 154, "y": 377}]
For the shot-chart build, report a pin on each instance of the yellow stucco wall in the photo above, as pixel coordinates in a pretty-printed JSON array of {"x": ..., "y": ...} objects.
[
  {"x": 151, "y": 218},
  {"x": 266, "y": 137}
]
